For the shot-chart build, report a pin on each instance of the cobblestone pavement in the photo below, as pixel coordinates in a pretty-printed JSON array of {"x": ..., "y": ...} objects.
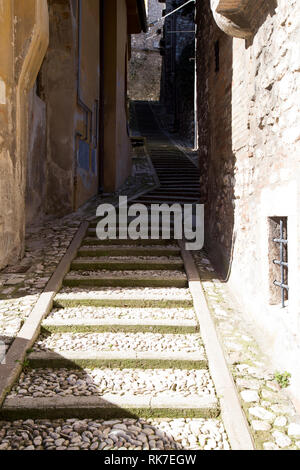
[
  {"x": 64, "y": 382},
  {"x": 129, "y": 434},
  {"x": 136, "y": 365}
]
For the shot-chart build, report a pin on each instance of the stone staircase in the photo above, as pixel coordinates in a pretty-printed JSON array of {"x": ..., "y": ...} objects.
[
  {"x": 123, "y": 310},
  {"x": 121, "y": 350}
]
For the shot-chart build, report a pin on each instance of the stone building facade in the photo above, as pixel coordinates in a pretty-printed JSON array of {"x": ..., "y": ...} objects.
[
  {"x": 146, "y": 62},
  {"x": 249, "y": 144},
  {"x": 63, "y": 107},
  {"x": 178, "y": 69}
]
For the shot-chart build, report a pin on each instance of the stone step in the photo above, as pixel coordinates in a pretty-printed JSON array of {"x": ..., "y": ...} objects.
[
  {"x": 151, "y": 227},
  {"x": 115, "y": 250},
  {"x": 175, "y": 191},
  {"x": 91, "y": 235},
  {"x": 117, "y": 359},
  {"x": 169, "y": 200},
  {"x": 115, "y": 315},
  {"x": 128, "y": 326},
  {"x": 108, "y": 406},
  {"x": 127, "y": 279},
  {"x": 138, "y": 342},
  {"x": 86, "y": 264},
  {"x": 38, "y": 383},
  {"x": 124, "y": 297},
  {"x": 94, "y": 241}
]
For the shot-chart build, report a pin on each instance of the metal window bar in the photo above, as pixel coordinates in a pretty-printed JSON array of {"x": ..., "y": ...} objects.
[{"x": 282, "y": 263}]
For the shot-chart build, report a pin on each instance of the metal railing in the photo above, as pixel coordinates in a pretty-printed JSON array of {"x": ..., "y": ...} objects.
[{"x": 283, "y": 263}]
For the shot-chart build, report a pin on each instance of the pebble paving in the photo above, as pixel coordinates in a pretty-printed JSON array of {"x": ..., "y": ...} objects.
[
  {"x": 133, "y": 273},
  {"x": 64, "y": 382},
  {"x": 129, "y": 434},
  {"x": 170, "y": 293},
  {"x": 120, "y": 342},
  {"x": 116, "y": 313}
]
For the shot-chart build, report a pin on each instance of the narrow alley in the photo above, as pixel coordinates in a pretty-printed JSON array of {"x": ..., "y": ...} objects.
[{"x": 121, "y": 336}]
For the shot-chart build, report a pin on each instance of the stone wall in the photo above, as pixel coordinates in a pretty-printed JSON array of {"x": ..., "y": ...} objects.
[
  {"x": 249, "y": 154},
  {"x": 145, "y": 64}
]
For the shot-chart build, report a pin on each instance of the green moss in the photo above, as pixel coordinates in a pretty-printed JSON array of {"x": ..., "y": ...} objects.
[
  {"x": 106, "y": 413},
  {"x": 125, "y": 282},
  {"x": 122, "y": 266},
  {"x": 124, "y": 252},
  {"x": 62, "y": 363},
  {"x": 162, "y": 329},
  {"x": 135, "y": 303}
]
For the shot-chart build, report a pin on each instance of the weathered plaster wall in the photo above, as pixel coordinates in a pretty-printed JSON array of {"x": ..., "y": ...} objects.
[
  {"x": 58, "y": 88},
  {"x": 36, "y": 162},
  {"x": 9, "y": 229},
  {"x": 70, "y": 82},
  {"x": 249, "y": 140},
  {"x": 24, "y": 40},
  {"x": 117, "y": 160}
]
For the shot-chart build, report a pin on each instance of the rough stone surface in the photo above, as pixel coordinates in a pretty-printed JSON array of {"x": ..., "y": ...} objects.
[
  {"x": 248, "y": 151},
  {"x": 119, "y": 342},
  {"x": 294, "y": 430}
]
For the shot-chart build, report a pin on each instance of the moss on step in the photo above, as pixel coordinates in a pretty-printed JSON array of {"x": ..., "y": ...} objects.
[
  {"x": 107, "y": 413},
  {"x": 125, "y": 252},
  {"x": 64, "y": 363},
  {"x": 162, "y": 329},
  {"x": 138, "y": 303},
  {"x": 122, "y": 282},
  {"x": 126, "y": 266},
  {"x": 95, "y": 241}
]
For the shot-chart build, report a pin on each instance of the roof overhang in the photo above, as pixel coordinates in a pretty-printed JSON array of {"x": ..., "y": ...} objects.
[{"x": 136, "y": 16}]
